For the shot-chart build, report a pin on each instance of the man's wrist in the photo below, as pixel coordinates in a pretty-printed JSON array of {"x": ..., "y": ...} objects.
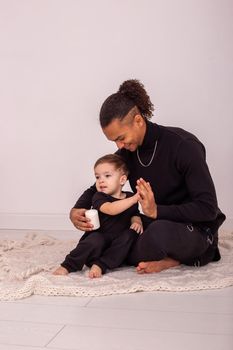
[{"x": 153, "y": 215}]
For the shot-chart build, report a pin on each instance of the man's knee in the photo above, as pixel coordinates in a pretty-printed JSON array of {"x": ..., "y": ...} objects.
[
  {"x": 158, "y": 231},
  {"x": 153, "y": 243}
]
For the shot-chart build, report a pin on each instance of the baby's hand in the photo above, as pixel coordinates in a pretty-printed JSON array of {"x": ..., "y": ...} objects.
[
  {"x": 137, "y": 227},
  {"x": 136, "y": 197}
]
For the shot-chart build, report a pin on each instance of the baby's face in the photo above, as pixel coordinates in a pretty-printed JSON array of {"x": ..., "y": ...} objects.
[{"x": 108, "y": 179}]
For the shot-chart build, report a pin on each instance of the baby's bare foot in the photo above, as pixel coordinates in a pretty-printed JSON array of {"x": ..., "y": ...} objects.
[
  {"x": 95, "y": 271},
  {"x": 61, "y": 271}
]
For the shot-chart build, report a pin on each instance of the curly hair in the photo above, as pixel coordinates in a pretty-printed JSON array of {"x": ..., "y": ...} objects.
[
  {"x": 131, "y": 94},
  {"x": 114, "y": 159}
]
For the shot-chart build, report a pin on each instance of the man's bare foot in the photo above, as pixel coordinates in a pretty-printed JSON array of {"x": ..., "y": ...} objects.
[
  {"x": 156, "y": 266},
  {"x": 61, "y": 271},
  {"x": 95, "y": 271}
]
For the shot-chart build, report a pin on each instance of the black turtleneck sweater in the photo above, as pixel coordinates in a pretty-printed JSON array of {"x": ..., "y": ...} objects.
[{"x": 178, "y": 174}]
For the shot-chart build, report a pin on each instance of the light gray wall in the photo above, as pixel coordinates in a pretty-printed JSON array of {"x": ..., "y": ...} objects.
[{"x": 60, "y": 59}]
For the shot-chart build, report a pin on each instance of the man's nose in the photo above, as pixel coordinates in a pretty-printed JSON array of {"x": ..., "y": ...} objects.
[{"x": 120, "y": 144}]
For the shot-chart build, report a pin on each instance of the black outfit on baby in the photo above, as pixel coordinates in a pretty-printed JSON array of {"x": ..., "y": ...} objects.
[{"x": 108, "y": 246}]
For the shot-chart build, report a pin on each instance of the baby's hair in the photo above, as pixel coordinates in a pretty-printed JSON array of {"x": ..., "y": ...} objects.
[
  {"x": 114, "y": 159},
  {"x": 131, "y": 94}
]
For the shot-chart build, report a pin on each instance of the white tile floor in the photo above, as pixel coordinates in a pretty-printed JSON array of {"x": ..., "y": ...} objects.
[{"x": 139, "y": 321}]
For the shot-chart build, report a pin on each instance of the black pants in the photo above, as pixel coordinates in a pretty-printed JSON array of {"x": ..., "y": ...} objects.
[
  {"x": 188, "y": 244},
  {"x": 107, "y": 250}
]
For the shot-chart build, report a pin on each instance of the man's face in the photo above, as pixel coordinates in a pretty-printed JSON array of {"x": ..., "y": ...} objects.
[{"x": 127, "y": 133}]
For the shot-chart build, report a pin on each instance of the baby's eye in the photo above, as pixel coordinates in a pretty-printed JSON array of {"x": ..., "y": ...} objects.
[
  {"x": 97, "y": 177},
  {"x": 108, "y": 175}
]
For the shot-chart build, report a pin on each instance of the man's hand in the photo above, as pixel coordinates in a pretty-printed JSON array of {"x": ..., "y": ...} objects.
[
  {"x": 79, "y": 220},
  {"x": 147, "y": 199}
]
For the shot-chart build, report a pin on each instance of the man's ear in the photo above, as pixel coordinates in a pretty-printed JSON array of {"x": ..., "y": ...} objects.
[
  {"x": 138, "y": 120},
  {"x": 123, "y": 180}
]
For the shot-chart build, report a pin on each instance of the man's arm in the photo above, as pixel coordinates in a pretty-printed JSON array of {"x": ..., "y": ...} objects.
[
  {"x": 85, "y": 199},
  {"x": 202, "y": 205},
  {"x": 77, "y": 213}
]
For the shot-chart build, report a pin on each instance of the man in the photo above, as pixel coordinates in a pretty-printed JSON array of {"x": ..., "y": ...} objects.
[{"x": 168, "y": 169}]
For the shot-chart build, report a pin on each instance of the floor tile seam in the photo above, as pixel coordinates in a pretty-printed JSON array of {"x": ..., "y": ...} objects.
[
  {"x": 74, "y": 325},
  {"x": 33, "y": 322},
  {"x": 25, "y": 347},
  {"x": 62, "y": 323},
  {"x": 160, "y": 311},
  {"x": 88, "y": 302},
  {"x": 55, "y": 335},
  {"x": 62, "y": 304},
  {"x": 41, "y": 304},
  {"x": 70, "y": 324}
]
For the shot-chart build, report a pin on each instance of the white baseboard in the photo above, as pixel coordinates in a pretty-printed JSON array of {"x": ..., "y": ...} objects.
[
  {"x": 51, "y": 222},
  {"x": 228, "y": 224},
  {"x": 35, "y": 221}
]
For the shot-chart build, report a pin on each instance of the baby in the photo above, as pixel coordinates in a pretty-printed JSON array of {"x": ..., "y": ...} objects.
[{"x": 107, "y": 247}]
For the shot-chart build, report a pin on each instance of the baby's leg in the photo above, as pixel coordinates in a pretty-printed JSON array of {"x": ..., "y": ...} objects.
[
  {"x": 117, "y": 252},
  {"x": 89, "y": 248},
  {"x": 61, "y": 271},
  {"x": 95, "y": 271}
]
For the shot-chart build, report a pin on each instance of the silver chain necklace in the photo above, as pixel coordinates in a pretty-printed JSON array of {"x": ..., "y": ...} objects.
[{"x": 146, "y": 165}]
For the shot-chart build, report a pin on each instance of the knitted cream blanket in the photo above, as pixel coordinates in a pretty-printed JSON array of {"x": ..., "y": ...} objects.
[{"x": 26, "y": 266}]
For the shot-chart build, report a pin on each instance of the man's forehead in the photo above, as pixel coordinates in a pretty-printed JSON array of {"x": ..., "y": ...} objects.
[{"x": 115, "y": 130}]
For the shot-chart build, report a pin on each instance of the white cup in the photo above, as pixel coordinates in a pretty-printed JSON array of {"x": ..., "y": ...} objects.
[{"x": 93, "y": 215}]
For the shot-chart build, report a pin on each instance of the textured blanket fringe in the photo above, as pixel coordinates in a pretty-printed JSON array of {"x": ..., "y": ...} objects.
[
  {"x": 39, "y": 285},
  {"x": 25, "y": 269}
]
